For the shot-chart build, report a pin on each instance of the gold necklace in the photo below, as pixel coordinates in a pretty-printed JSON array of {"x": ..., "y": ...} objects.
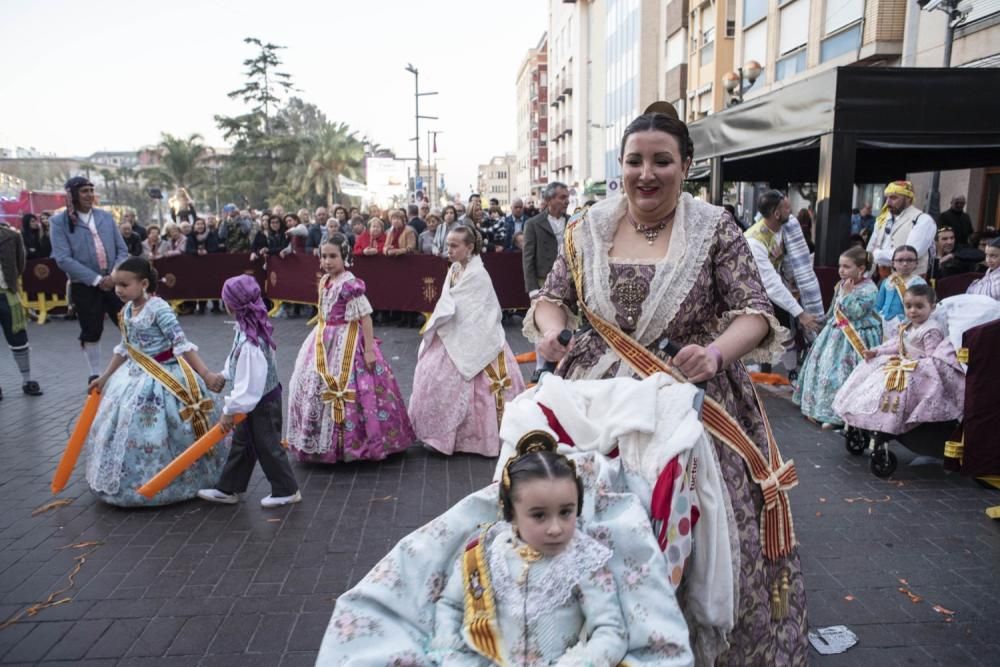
[{"x": 651, "y": 232}]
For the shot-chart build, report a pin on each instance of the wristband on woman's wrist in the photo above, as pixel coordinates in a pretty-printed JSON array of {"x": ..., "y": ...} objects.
[{"x": 719, "y": 359}]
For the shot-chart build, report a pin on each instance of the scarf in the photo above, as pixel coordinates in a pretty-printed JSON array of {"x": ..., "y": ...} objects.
[{"x": 242, "y": 296}]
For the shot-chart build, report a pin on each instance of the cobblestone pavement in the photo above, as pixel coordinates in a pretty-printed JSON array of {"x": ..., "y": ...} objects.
[{"x": 198, "y": 584}]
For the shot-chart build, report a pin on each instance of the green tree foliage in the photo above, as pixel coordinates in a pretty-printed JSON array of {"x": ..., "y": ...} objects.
[{"x": 181, "y": 164}]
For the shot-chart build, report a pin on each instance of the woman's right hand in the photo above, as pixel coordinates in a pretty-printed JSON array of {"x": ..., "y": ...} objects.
[
  {"x": 98, "y": 384},
  {"x": 869, "y": 354},
  {"x": 550, "y": 347}
]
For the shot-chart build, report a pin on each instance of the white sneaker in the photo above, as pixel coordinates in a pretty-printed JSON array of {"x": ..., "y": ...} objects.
[
  {"x": 271, "y": 501},
  {"x": 216, "y": 496}
]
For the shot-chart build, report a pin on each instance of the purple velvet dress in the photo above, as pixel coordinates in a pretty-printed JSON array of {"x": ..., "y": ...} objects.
[{"x": 374, "y": 423}]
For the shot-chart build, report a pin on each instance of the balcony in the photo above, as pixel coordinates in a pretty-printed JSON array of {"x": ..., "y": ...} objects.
[
  {"x": 567, "y": 127},
  {"x": 567, "y": 85}
]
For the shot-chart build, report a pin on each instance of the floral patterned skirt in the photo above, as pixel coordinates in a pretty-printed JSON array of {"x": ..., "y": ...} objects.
[
  {"x": 375, "y": 423},
  {"x": 452, "y": 414},
  {"x": 138, "y": 430}
]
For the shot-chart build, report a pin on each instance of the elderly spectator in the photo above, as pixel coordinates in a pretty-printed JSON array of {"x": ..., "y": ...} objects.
[
  {"x": 514, "y": 223},
  {"x": 175, "y": 239},
  {"x": 37, "y": 242},
  {"x": 402, "y": 238},
  {"x": 201, "y": 240},
  {"x": 425, "y": 242},
  {"x": 543, "y": 236},
  {"x": 154, "y": 247},
  {"x": 186, "y": 227},
  {"x": 236, "y": 229},
  {"x": 129, "y": 217},
  {"x": 132, "y": 241},
  {"x": 372, "y": 241},
  {"x": 317, "y": 230},
  {"x": 956, "y": 218}
]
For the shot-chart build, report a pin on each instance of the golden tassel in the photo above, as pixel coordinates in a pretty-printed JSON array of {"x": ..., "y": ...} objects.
[
  {"x": 885, "y": 403},
  {"x": 780, "y": 593},
  {"x": 895, "y": 406}
]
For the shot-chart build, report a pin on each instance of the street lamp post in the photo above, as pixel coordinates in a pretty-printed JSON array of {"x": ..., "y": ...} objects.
[
  {"x": 733, "y": 82},
  {"x": 416, "y": 115},
  {"x": 431, "y": 152}
]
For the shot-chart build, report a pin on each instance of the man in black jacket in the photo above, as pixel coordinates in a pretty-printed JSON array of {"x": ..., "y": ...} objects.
[{"x": 956, "y": 218}]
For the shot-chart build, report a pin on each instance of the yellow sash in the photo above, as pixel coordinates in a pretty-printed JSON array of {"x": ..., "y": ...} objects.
[
  {"x": 336, "y": 392},
  {"x": 899, "y": 284},
  {"x": 850, "y": 332},
  {"x": 774, "y": 476},
  {"x": 480, "y": 618},
  {"x": 195, "y": 408},
  {"x": 899, "y": 366},
  {"x": 499, "y": 383}
]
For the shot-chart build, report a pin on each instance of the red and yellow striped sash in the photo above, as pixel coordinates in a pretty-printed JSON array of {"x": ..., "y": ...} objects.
[
  {"x": 849, "y": 331},
  {"x": 480, "y": 617},
  {"x": 336, "y": 392},
  {"x": 500, "y": 382}
]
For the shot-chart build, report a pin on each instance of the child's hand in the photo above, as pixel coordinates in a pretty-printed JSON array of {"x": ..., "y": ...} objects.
[
  {"x": 98, "y": 384},
  {"x": 215, "y": 382},
  {"x": 226, "y": 423},
  {"x": 869, "y": 354},
  {"x": 370, "y": 359}
]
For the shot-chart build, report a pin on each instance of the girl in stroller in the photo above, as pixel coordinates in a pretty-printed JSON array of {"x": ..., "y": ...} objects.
[{"x": 913, "y": 379}]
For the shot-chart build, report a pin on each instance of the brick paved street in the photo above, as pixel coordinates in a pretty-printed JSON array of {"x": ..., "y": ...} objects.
[{"x": 197, "y": 584}]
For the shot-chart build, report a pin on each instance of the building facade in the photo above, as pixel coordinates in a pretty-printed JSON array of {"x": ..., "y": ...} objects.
[
  {"x": 498, "y": 179},
  {"x": 533, "y": 121}
]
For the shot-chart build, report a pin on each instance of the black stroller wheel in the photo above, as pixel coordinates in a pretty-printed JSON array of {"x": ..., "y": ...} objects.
[
  {"x": 855, "y": 440},
  {"x": 883, "y": 462}
]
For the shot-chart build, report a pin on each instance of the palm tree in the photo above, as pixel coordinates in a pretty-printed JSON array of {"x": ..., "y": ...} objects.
[
  {"x": 182, "y": 162},
  {"x": 323, "y": 158}
]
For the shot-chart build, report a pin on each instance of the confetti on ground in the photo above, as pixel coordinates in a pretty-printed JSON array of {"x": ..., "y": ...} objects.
[
  {"x": 867, "y": 500},
  {"x": 273, "y": 520},
  {"x": 947, "y": 613},
  {"x": 54, "y": 600},
  {"x": 914, "y": 598},
  {"x": 55, "y": 504},
  {"x": 819, "y": 514},
  {"x": 376, "y": 500},
  {"x": 849, "y": 598},
  {"x": 822, "y": 500}
]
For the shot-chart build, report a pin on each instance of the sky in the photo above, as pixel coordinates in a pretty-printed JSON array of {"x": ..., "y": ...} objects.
[{"x": 114, "y": 74}]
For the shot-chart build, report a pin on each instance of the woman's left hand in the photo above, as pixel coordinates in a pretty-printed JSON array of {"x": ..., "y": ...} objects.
[
  {"x": 696, "y": 363},
  {"x": 370, "y": 359}
]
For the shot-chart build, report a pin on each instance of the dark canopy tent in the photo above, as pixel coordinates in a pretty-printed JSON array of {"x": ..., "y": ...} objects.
[{"x": 853, "y": 125}]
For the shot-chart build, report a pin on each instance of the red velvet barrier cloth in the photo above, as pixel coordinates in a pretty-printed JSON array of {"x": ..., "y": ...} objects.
[
  {"x": 953, "y": 285},
  {"x": 982, "y": 419},
  {"x": 43, "y": 276},
  {"x": 194, "y": 277},
  {"x": 411, "y": 283},
  {"x": 828, "y": 279}
]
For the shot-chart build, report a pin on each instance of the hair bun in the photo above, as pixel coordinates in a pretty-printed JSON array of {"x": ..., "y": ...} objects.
[{"x": 536, "y": 441}]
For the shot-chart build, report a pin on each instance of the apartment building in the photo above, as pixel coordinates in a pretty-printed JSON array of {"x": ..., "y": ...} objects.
[
  {"x": 497, "y": 180},
  {"x": 533, "y": 120}
]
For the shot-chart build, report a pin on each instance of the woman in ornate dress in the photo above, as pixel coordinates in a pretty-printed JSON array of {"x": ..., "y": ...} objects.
[
  {"x": 655, "y": 265},
  {"x": 344, "y": 403},
  {"x": 465, "y": 370}
]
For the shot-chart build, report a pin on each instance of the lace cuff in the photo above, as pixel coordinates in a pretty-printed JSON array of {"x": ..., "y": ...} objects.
[
  {"x": 771, "y": 347},
  {"x": 530, "y": 329},
  {"x": 184, "y": 345},
  {"x": 357, "y": 308},
  {"x": 120, "y": 350}
]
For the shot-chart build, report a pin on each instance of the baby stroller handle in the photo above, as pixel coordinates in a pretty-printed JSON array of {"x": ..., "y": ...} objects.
[{"x": 671, "y": 348}]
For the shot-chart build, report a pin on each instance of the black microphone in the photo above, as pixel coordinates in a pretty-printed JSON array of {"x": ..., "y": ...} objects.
[{"x": 565, "y": 336}]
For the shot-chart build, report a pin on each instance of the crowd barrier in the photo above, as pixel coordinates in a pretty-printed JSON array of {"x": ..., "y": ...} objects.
[{"x": 410, "y": 283}]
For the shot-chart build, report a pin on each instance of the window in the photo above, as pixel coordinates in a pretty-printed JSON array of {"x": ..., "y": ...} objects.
[
  {"x": 755, "y": 44},
  {"x": 843, "y": 42},
  {"x": 706, "y": 54},
  {"x": 840, "y": 13},
  {"x": 754, "y": 10},
  {"x": 794, "y": 26},
  {"x": 675, "y": 50},
  {"x": 789, "y": 65}
]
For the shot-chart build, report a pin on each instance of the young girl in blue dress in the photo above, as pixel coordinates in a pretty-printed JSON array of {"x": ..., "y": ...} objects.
[
  {"x": 852, "y": 326},
  {"x": 154, "y": 401},
  {"x": 889, "y": 301}
]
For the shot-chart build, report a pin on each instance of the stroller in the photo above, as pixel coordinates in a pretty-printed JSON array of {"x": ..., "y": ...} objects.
[{"x": 972, "y": 320}]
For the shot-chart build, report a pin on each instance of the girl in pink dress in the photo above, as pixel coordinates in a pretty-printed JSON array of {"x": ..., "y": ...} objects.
[
  {"x": 912, "y": 379},
  {"x": 466, "y": 372},
  {"x": 344, "y": 404}
]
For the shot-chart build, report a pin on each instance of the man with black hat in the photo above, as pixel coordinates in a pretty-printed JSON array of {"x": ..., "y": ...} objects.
[{"x": 87, "y": 246}]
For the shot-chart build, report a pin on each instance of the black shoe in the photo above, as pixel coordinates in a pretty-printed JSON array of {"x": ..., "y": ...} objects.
[
  {"x": 91, "y": 379},
  {"x": 31, "y": 388}
]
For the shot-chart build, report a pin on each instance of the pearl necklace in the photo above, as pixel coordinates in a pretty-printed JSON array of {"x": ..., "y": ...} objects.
[{"x": 651, "y": 232}]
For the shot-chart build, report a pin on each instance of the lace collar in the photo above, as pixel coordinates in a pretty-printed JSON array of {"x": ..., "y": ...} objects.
[
  {"x": 145, "y": 316},
  {"x": 549, "y": 586},
  {"x": 691, "y": 237}
]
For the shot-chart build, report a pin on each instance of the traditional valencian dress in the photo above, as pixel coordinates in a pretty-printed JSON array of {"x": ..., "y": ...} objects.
[
  {"x": 915, "y": 378},
  {"x": 152, "y": 409},
  {"x": 690, "y": 296},
  {"x": 465, "y": 371},
  {"x": 852, "y": 326},
  {"x": 889, "y": 302},
  {"x": 338, "y": 409},
  {"x": 988, "y": 285},
  {"x": 540, "y": 604},
  {"x": 449, "y": 594}
]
